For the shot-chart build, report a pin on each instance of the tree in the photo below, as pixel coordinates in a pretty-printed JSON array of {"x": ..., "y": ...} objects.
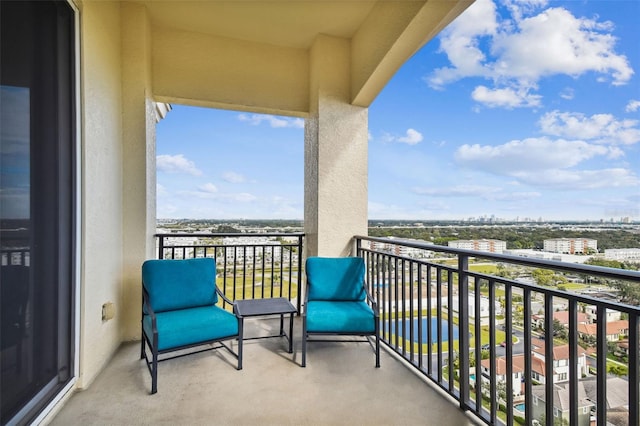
[
  {"x": 543, "y": 277},
  {"x": 559, "y": 330},
  {"x": 629, "y": 292},
  {"x": 606, "y": 263}
]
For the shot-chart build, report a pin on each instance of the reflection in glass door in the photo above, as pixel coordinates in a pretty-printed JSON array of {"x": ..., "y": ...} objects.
[{"x": 37, "y": 139}]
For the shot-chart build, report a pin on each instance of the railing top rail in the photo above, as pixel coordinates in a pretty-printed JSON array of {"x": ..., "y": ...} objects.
[
  {"x": 562, "y": 294},
  {"x": 623, "y": 274},
  {"x": 232, "y": 234}
]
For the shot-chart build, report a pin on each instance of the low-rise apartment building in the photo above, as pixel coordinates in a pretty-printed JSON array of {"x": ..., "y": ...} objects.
[
  {"x": 492, "y": 246},
  {"x": 623, "y": 254},
  {"x": 571, "y": 245}
]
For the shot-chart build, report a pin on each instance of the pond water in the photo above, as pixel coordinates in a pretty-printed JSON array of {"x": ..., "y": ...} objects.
[{"x": 405, "y": 329}]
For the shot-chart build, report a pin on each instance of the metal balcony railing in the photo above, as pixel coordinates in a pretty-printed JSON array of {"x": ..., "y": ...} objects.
[
  {"x": 439, "y": 305},
  {"x": 249, "y": 266}
]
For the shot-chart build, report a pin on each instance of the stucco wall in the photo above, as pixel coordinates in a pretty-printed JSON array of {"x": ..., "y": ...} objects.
[
  {"x": 101, "y": 197},
  {"x": 139, "y": 163},
  {"x": 228, "y": 73}
]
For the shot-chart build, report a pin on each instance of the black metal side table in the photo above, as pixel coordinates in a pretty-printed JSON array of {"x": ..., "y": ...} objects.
[{"x": 263, "y": 307}]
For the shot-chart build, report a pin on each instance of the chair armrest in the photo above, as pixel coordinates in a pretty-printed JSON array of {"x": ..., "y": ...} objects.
[
  {"x": 306, "y": 299},
  {"x": 225, "y": 298},
  {"x": 147, "y": 309},
  {"x": 374, "y": 304}
]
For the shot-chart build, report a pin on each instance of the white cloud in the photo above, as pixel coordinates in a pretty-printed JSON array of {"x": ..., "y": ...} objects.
[
  {"x": 543, "y": 162},
  {"x": 507, "y": 98},
  {"x": 567, "y": 93},
  {"x": 243, "y": 197},
  {"x": 456, "y": 191},
  {"x": 519, "y": 8},
  {"x": 556, "y": 42},
  {"x": 412, "y": 137},
  {"x": 460, "y": 42},
  {"x": 632, "y": 106},
  {"x": 176, "y": 164},
  {"x": 210, "y": 191},
  {"x": 272, "y": 120},
  {"x": 233, "y": 177},
  {"x": 208, "y": 188},
  {"x": 532, "y": 154},
  {"x": 582, "y": 179},
  {"x": 514, "y": 196},
  {"x": 491, "y": 193},
  {"x": 525, "y": 48},
  {"x": 599, "y": 128}
]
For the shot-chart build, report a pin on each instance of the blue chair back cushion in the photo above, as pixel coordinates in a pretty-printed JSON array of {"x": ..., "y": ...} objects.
[
  {"x": 335, "y": 278},
  {"x": 180, "y": 284},
  {"x": 192, "y": 326},
  {"x": 340, "y": 317}
]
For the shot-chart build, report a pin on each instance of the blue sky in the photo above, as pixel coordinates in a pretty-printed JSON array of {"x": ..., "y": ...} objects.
[{"x": 527, "y": 109}]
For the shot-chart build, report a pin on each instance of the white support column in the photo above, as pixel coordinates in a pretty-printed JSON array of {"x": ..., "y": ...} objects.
[{"x": 336, "y": 137}]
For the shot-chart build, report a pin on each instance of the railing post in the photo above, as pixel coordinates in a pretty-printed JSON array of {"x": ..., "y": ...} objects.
[
  {"x": 634, "y": 371},
  {"x": 601, "y": 362},
  {"x": 300, "y": 264},
  {"x": 548, "y": 356},
  {"x": 463, "y": 324},
  {"x": 160, "y": 246},
  {"x": 573, "y": 362},
  {"x": 528, "y": 386},
  {"x": 508, "y": 295}
]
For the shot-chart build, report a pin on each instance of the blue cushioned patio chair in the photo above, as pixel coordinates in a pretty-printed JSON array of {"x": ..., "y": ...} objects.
[
  {"x": 179, "y": 311},
  {"x": 337, "y": 302}
]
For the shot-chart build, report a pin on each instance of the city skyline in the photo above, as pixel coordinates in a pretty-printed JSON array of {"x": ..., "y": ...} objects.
[{"x": 527, "y": 109}]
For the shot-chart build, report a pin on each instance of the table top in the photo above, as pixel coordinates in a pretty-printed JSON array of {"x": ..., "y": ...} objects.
[{"x": 269, "y": 306}]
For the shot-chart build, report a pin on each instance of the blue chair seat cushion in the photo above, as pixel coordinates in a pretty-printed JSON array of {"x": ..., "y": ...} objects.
[
  {"x": 339, "y": 317},
  {"x": 191, "y": 326}
]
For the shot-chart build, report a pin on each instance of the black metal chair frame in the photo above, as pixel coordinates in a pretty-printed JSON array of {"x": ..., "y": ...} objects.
[
  {"x": 152, "y": 342},
  {"x": 376, "y": 332}
]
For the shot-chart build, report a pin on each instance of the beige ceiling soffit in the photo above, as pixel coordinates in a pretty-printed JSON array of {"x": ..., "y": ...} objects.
[{"x": 379, "y": 51}]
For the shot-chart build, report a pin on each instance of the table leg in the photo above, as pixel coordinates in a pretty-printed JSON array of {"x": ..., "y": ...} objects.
[
  {"x": 240, "y": 337},
  {"x": 281, "y": 324},
  {"x": 291, "y": 333}
]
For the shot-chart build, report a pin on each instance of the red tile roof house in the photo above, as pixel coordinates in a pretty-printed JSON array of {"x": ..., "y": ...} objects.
[
  {"x": 562, "y": 317},
  {"x": 615, "y": 329},
  {"x": 560, "y": 366}
]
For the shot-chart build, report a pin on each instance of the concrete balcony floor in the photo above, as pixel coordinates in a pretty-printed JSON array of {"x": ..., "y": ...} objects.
[{"x": 339, "y": 386}]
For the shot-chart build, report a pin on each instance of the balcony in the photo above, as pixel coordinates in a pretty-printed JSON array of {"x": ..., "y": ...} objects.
[
  {"x": 339, "y": 385},
  {"x": 424, "y": 378}
]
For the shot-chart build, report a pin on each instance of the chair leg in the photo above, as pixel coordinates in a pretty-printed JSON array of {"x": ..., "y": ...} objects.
[
  {"x": 154, "y": 371},
  {"x": 304, "y": 341},
  {"x": 240, "y": 337},
  {"x": 377, "y": 328}
]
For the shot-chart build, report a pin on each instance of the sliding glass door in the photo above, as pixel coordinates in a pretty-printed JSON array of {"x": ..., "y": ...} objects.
[{"x": 37, "y": 157}]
